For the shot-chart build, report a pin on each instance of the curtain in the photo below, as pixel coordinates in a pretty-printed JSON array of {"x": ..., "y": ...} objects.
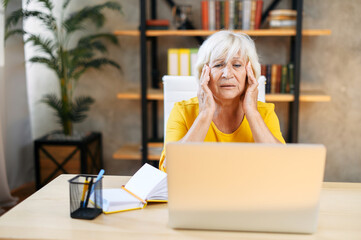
[
  {"x": 6, "y": 200},
  {"x": 15, "y": 118}
]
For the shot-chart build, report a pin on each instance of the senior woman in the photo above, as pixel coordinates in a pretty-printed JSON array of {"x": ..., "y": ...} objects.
[{"x": 226, "y": 107}]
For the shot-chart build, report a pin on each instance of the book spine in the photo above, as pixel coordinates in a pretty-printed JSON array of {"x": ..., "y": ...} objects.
[
  {"x": 218, "y": 15},
  {"x": 184, "y": 59},
  {"x": 231, "y": 10},
  {"x": 193, "y": 60},
  {"x": 284, "y": 79},
  {"x": 279, "y": 75},
  {"x": 259, "y": 10},
  {"x": 222, "y": 14},
  {"x": 291, "y": 82},
  {"x": 268, "y": 77},
  {"x": 173, "y": 61},
  {"x": 253, "y": 15},
  {"x": 240, "y": 14},
  {"x": 226, "y": 14},
  {"x": 212, "y": 15},
  {"x": 273, "y": 78},
  {"x": 246, "y": 16},
  {"x": 204, "y": 5}
]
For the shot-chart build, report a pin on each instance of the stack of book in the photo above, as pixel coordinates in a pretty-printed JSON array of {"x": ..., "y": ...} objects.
[
  {"x": 182, "y": 61},
  {"x": 282, "y": 18},
  {"x": 279, "y": 78},
  {"x": 231, "y": 14}
]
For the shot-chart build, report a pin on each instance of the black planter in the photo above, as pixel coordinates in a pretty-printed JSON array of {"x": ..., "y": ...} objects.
[{"x": 55, "y": 156}]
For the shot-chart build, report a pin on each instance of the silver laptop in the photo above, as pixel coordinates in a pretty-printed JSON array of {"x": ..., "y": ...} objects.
[{"x": 245, "y": 186}]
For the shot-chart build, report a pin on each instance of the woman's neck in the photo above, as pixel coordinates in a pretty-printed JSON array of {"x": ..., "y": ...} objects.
[{"x": 228, "y": 115}]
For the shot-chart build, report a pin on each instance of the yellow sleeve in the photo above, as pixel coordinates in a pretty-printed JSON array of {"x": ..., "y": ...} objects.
[
  {"x": 176, "y": 130},
  {"x": 273, "y": 125}
]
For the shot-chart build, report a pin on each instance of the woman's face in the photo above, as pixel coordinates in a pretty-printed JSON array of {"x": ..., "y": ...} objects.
[{"x": 228, "y": 79}]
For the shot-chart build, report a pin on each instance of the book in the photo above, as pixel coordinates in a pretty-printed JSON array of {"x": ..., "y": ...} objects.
[
  {"x": 226, "y": 14},
  {"x": 284, "y": 79},
  {"x": 258, "y": 17},
  {"x": 204, "y": 7},
  {"x": 253, "y": 15},
  {"x": 148, "y": 184},
  {"x": 218, "y": 14},
  {"x": 273, "y": 78},
  {"x": 232, "y": 11},
  {"x": 212, "y": 15},
  {"x": 268, "y": 77},
  {"x": 173, "y": 61},
  {"x": 184, "y": 62},
  {"x": 193, "y": 60},
  {"x": 246, "y": 14},
  {"x": 291, "y": 82},
  {"x": 278, "y": 78}
]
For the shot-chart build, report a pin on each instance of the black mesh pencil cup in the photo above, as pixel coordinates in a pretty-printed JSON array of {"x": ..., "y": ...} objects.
[{"x": 86, "y": 200}]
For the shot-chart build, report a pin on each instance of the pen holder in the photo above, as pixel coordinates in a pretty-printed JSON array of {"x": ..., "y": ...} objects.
[{"x": 86, "y": 200}]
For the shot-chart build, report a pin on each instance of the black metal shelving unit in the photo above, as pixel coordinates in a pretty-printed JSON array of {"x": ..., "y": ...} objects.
[{"x": 295, "y": 57}]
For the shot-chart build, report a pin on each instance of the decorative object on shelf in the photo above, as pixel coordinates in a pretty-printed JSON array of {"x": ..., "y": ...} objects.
[
  {"x": 57, "y": 156},
  {"x": 58, "y": 52},
  {"x": 182, "y": 14},
  {"x": 282, "y": 18}
]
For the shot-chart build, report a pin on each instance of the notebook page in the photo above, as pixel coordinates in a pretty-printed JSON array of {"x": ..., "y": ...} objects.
[
  {"x": 117, "y": 199},
  {"x": 145, "y": 180}
]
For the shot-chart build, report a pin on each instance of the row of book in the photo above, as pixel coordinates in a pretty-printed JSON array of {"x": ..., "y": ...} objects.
[
  {"x": 280, "y": 78},
  {"x": 231, "y": 14},
  {"x": 182, "y": 61}
]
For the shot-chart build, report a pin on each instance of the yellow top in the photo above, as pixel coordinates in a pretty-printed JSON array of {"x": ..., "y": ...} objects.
[{"x": 184, "y": 113}]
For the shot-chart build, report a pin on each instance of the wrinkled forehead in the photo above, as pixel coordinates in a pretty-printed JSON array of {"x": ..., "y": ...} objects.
[
  {"x": 229, "y": 58},
  {"x": 227, "y": 50}
]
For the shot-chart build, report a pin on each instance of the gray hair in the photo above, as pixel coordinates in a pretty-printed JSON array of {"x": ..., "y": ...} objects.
[{"x": 225, "y": 45}]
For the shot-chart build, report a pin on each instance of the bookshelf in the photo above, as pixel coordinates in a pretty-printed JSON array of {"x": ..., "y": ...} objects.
[
  {"x": 204, "y": 33},
  {"x": 152, "y": 95},
  {"x": 305, "y": 96}
]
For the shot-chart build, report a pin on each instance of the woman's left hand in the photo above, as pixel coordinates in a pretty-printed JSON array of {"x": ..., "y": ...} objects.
[{"x": 251, "y": 95}]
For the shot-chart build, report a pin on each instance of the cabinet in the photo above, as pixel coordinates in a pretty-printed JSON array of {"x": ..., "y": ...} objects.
[{"x": 150, "y": 95}]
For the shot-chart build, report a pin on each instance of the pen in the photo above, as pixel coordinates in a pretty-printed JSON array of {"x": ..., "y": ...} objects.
[
  {"x": 100, "y": 175},
  {"x": 85, "y": 188},
  {"x": 89, "y": 192}
]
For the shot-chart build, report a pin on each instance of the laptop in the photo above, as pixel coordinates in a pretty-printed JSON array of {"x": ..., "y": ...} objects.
[{"x": 245, "y": 186}]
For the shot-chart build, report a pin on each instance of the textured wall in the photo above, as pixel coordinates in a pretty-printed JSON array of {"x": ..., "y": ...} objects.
[{"x": 330, "y": 63}]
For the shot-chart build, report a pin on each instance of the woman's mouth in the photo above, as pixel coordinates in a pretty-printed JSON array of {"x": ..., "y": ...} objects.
[{"x": 228, "y": 86}]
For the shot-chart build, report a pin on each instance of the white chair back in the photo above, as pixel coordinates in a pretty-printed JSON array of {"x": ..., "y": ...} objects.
[{"x": 178, "y": 88}]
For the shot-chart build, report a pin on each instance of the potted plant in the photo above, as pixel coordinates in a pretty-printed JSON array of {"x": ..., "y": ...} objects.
[
  {"x": 68, "y": 61},
  {"x": 69, "y": 51}
]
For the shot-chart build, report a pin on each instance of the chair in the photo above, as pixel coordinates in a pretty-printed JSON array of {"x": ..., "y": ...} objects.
[{"x": 178, "y": 88}]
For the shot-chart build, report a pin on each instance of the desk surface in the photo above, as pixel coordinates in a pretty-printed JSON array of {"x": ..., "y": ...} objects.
[{"x": 46, "y": 215}]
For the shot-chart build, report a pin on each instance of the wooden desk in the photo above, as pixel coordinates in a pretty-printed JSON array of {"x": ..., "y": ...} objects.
[{"x": 46, "y": 215}]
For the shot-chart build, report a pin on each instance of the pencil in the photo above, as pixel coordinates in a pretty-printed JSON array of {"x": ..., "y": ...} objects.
[{"x": 85, "y": 188}]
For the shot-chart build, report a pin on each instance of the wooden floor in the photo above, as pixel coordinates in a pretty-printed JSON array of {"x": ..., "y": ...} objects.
[{"x": 21, "y": 193}]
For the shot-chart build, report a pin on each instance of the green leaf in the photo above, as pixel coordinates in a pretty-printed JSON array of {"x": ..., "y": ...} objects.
[
  {"x": 99, "y": 62},
  {"x": 93, "y": 13},
  {"x": 48, "y": 20},
  {"x": 55, "y": 103},
  {"x": 45, "y": 45},
  {"x": 49, "y": 62},
  {"x": 47, "y": 4},
  {"x": 14, "y": 32},
  {"x": 80, "y": 106}
]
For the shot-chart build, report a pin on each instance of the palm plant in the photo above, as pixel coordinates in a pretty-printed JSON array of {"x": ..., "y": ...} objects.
[{"x": 68, "y": 62}]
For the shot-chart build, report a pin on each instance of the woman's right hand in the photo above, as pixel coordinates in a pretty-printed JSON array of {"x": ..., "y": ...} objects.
[{"x": 207, "y": 104}]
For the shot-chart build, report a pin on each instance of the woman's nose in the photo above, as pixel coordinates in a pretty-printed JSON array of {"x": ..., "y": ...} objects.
[{"x": 227, "y": 71}]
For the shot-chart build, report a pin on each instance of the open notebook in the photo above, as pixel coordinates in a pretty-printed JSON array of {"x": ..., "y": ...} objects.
[{"x": 148, "y": 184}]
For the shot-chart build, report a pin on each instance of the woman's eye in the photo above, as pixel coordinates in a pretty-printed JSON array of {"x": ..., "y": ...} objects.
[
  {"x": 237, "y": 65},
  {"x": 218, "y": 65}
]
